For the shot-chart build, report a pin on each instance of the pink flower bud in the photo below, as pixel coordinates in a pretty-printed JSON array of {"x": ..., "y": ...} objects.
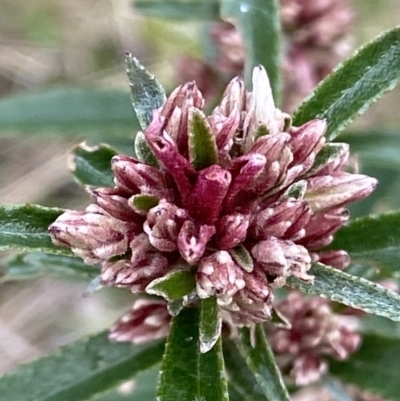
[
  {"x": 181, "y": 170},
  {"x": 334, "y": 191},
  {"x": 281, "y": 259},
  {"x": 284, "y": 219},
  {"x": 163, "y": 224},
  {"x": 112, "y": 201},
  {"x": 335, "y": 258},
  {"x": 93, "y": 235},
  {"x": 219, "y": 275},
  {"x": 205, "y": 202},
  {"x": 148, "y": 320},
  {"x": 137, "y": 177},
  {"x": 231, "y": 230},
  {"x": 193, "y": 239},
  {"x": 322, "y": 226}
]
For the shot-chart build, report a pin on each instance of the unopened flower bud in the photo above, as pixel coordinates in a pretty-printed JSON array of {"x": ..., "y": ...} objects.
[
  {"x": 112, "y": 201},
  {"x": 322, "y": 226},
  {"x": 281, "y": 259},
  {"x": 163, "y": 224},
  {"x": 138, "y": 177},
  {"x": 147, "y": 320},
  {"x": 208, "y": 194},
  {"x": 335, "y": 258},
  {"x": 219, "y": 275},
  {"x": 193, "y": 239},
  {"x": 284, "y": 219},
  {"x": 93, "y": 235},
  {"x": 231, "y": 230},
  {"x": 333, "y": 191}
]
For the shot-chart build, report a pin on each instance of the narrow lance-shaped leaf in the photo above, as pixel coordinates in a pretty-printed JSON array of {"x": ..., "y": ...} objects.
[
  {"x": 241, "y": 378},
  {"x": 26, "y": 228},
  {"x": 351, "y": 291},
  {"x": 259, "y": 23},
  {"x": 210, "y": 324},
  {"x": 178, "y": 9},
  {"x": 92, "y": 165},
  {"x": 80, "y": 370},
  {"x": 373, "y": 241},
  {"x": 143, "y": 151},
  {"x": 355, "y": 85},
  {"x": 147, "y": 93},
  {"x": 374, "y": 368},
  {"x": 202, "y": 145},
  {"x": 174, "y": 285},
  {"x": 187, "y": 374},
  {"x": 31, "y": 265},
  {"x": 262, "y": 363},
  {"x": 95, "y": 111}
]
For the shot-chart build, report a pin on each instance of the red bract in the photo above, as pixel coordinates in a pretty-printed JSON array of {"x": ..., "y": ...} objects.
[{"x": 239, "y": 197}]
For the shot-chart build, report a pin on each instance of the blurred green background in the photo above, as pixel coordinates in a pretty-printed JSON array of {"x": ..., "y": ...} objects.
[{"x": 75, "y": 48}]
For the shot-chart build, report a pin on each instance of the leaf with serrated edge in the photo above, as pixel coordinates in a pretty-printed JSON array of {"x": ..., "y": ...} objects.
[
  {"x": 260, "y": 24},
  {"x": 350, "y": 290},
  {"x": 372, "y": 241},
  {"x": 174, "y": 285},
  {"x": 91, "y": 165},
  {"x": 262, "y": 363},
  {"x": 26, "y": 228},
  {"x": 147, "y": 93},
  {"x": 210, "y": 324},
  {"x": 80, "y": 370},
  {"x": 202, "y": 145},
  {"x": 187, "y": 374},
  {"x": 374, "y": 367},
  {"x": 240, "y": 376},
  {"x": 354, "y": 85},
  {"x": 32, "y": 265}
]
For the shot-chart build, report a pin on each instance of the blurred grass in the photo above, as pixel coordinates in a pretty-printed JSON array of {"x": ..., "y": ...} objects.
[{"x": 46, "y": 44}]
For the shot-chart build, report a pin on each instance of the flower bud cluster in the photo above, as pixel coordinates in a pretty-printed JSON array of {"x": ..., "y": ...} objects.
[
  {"x": 314, "y": 333},
  {"x": 254, "y": 209}
]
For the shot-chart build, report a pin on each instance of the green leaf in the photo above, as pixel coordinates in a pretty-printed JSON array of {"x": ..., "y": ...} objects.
[
  {"x": 202, "y": 145},
  {"x": 79, "y": 371},
  {"x": 143, "y": 203},
  {"x": 194, "y": 9},
  {"x": 92, "y": 165},
  {"x": 355, "y": 85},
  {"x": 375, "y": 367},
  {"x": 147, "y": 93},
  {"x": 373, "y": 241},
  {"x": 210, "y": 324},
  {"x": 143, "y": 388},
  {"x": 143, "y": 151},
  {"x": 262, "y": 363},
  {"x": 69, "y": 109},
  {"x": 32, "y": 265},
  {"x": 241, "y": 379},
  {"x": 26, "y": 228},
  {"x": 174, "y": 285},
  {"x": 186, "y": 373},
  {"x": 351, "y": 291},
  {"x": 242, "y": 257},
  {"x": 259, "y": 23}
]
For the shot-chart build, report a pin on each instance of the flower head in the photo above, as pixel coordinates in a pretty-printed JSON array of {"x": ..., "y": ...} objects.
[
  {"x": 238, "y": 197},
  {"x": 315, "y": 332}
]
